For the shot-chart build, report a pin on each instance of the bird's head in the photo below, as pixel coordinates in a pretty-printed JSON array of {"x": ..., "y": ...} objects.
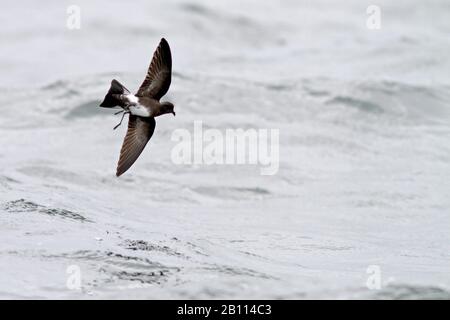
[{"x": 167, "y": 107}]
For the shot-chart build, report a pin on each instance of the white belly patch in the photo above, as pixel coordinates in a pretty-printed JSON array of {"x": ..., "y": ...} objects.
[{"x": 139, "y": 110}]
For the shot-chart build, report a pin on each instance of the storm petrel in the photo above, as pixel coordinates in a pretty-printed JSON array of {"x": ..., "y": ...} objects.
[{"x": 143, "y": 106}]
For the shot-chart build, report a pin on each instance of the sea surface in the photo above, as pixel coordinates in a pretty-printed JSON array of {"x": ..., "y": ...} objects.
[{"x": 360, "y": 205}]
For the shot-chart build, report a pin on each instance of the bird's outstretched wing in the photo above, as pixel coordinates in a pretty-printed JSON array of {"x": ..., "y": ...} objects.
[
  {"x": 140, "y": 130},
  {"x": 159, "y": 74}
]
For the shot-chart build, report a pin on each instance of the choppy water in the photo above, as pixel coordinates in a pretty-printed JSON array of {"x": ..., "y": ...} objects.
[{"x": 364, "y": 152}]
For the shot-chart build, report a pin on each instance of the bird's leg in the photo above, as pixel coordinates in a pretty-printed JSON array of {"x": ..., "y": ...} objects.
[
  {"x": 119, "y": 112},
  {"x": 121, "y": 120}
]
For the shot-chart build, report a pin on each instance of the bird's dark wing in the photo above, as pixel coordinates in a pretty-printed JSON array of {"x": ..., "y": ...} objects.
[
  {"x": 140, "y": 130},
  {"x": 159, "y": 74}
]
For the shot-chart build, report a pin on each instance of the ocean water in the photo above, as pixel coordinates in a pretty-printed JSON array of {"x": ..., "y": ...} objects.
[{"x": 363, "y": 182}]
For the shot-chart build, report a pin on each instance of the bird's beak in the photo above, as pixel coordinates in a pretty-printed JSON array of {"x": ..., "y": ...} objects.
[{"x": 173, "y": 112}]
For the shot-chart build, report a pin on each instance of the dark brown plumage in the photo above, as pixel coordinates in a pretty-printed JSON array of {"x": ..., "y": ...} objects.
[
  {"x": 159, "y": 74},
  {"x": 142, "y": 107},
  {"x": 139, "y": 132}
]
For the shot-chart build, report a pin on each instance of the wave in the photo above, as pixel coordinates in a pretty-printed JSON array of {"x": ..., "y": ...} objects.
[
  {"x": 24, "y": 206},
  {"x": 412, "y": 292}
]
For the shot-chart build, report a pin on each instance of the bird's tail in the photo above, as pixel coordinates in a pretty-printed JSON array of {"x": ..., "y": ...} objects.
[{"x": 112, "y": 98}]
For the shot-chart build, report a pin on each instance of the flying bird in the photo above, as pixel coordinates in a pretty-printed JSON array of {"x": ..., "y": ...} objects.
[{"x": 143, "y": 106}]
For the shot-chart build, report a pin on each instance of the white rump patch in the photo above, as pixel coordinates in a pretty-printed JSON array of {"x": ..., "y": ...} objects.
[{"x": 132, "y": 98}]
